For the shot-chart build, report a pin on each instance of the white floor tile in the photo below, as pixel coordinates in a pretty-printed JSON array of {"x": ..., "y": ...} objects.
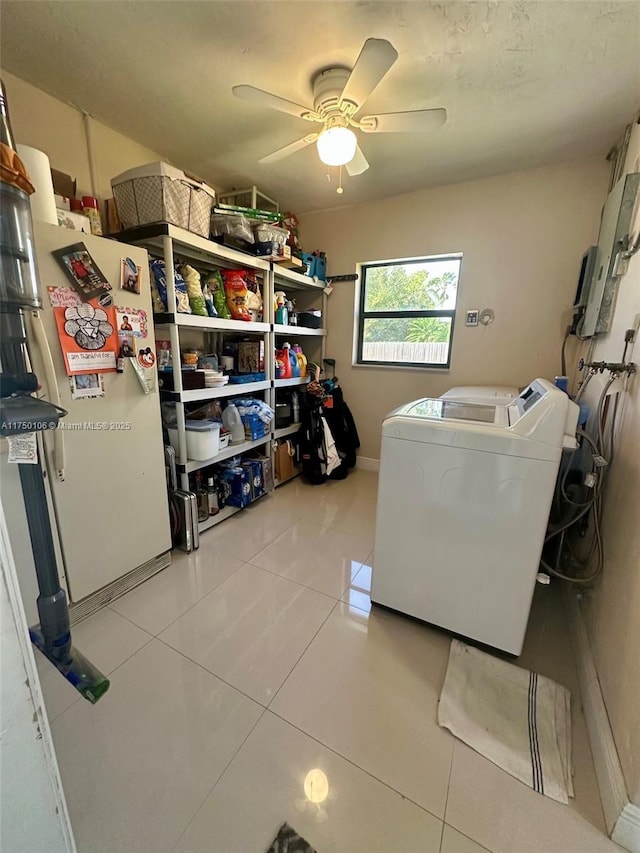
[
  {"x": 357, "y": 516},
  {"x": 368, "y": 688},
  {"x": 455, "y": 842},
  {"x": 358, "y": 593},
  {"x": 321, "y": 558},
  {"x": 504, "y": 815},
  {"x": 159, "y": 601},
  {"x": 137, "y": 766},
  {"x": 247, "y": 532},
  {"x": 265, "y": 785},
  {"x": 106, "y": 639},
  {"x": 251, "y": 630}
]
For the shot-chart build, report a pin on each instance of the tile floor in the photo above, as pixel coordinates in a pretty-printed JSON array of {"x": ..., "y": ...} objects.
[{"x": 255, "y": 670}]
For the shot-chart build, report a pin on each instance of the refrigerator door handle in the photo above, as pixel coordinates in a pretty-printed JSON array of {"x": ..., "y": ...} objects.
[{"x": 51, "y": 382}]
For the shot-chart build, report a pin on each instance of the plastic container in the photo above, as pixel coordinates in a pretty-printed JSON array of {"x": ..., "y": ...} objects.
[
  {"x": 310, "y": 319},
  {"x": 282, "y": 355},
  {"x": 158, "y": 192},
  {"x": 302, "y": 359},
  {"x": 293, "y": 360},
  {"x": 91, "y": 210},
  {"x": 203, "y": 440},
  {"x": 233, "y": 422}
]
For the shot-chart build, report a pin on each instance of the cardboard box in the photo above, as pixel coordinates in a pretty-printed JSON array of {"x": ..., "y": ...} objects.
[
  {"x": 254, "y": 428},
  {"x": 283, "y": 461},
  {"x": 238, "y": 482},
  {"x": 267, "y": 471},
  {"x": 250, "y": 356},
  {"x": 75, "y": 221},
  {"x": 254, "y": 469},
  {"x": 63, "y": 185}
]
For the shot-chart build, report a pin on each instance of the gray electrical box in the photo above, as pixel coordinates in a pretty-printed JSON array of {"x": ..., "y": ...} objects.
[{"x": 613, "y": 238}]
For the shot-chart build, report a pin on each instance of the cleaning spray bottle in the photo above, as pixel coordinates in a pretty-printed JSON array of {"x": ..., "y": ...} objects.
[{"x": 281, "y": 312}]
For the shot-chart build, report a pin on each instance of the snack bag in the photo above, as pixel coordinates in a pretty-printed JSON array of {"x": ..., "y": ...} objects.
[
  {"x": 194, "y": 290},
  {"x": 213, "y": 282},
  {"x": 254, "y": 297},
  {"x": 208, "y": 299},
  {"x": 158, "y": 287},
  {"x": 235, "y": 286},
  {"x": 158, "y": 278}
]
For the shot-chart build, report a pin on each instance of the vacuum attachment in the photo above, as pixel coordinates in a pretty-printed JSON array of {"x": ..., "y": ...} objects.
[{"x": 74, "y": 666}]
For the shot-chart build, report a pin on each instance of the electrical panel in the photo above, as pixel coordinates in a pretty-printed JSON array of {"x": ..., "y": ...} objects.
[{"x": 614, "y": 230}]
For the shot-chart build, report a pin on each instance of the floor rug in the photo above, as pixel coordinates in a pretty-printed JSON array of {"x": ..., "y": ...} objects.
[
  {"x": 288, "y": 841},
  {"x": 517, "y": 719}
]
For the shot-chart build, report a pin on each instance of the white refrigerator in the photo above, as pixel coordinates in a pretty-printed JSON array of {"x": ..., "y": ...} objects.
[{"x": 107, "y": 486}]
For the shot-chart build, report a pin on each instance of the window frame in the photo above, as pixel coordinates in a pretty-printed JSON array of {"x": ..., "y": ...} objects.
[{"x": 449, "y": 313}]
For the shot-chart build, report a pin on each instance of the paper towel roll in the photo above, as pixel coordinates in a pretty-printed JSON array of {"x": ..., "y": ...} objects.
[{"x": 43, "y": 203}]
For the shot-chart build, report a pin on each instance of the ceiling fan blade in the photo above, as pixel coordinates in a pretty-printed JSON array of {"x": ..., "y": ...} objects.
[
  {"x": 408, "y": 122},
  {"x": 358, "y": 165},
  {"x": 291, "y": 148},
  {"x": 376, "y": 58},
  {"x": 273, "y": 102}
]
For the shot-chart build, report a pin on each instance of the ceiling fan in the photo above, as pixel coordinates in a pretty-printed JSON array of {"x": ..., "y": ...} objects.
[{"x": 338, "y": 96}]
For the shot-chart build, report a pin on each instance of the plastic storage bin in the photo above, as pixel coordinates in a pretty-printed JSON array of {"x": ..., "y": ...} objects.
[
  {"x": 158, "y": 192},
  {"x": 203, "y": 440}
]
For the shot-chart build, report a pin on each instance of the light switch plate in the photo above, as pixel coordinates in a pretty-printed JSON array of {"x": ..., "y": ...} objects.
[{"x": 471, "y": 318}]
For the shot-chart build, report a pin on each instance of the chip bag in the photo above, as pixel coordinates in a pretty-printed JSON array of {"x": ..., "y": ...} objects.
[
  {"x": 159, "y": 289},
  {"x": 194, "y": 290},
  {"x": 214, "y": 284},
  {"x": 235, "y": 286}
]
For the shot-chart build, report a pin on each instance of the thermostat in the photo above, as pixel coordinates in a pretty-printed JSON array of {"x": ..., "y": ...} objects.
[{"x": 471, "y": 318}]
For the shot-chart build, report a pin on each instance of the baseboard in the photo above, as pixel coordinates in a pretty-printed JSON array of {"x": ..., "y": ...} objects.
[
  {"x": 627, "y": 829},
  {"x": 97, "y": 600},
  {"x": 367, "y": 463},
  {"x": 621, "y": 817}
]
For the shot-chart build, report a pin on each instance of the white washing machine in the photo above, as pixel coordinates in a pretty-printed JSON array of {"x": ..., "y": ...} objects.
[
  {"x": 497, "y": 395},
  {"x": 464, "y": 495}
]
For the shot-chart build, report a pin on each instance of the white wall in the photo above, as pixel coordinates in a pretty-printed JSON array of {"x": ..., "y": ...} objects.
[
  {"x": 613, "y": 609},
  {"x": 522, "y": 236},
  {"x": 33, "y": 812},
  {"x": 58, "y": 129}
]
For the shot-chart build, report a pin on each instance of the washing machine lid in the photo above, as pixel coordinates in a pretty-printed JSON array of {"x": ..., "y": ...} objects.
[
  {"x": 455, "y": 410},
  {"x": 498, "y": 395}
]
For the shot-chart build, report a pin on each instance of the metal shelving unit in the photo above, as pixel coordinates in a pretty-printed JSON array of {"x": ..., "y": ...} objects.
[
  {"x": 167, "y": 241},
  {"x": 285, "y": 432},
  {"x": 296, "y": 331}
]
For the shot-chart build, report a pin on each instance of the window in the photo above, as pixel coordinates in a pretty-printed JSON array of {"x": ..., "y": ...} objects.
[{"x": 407, "y": 311}]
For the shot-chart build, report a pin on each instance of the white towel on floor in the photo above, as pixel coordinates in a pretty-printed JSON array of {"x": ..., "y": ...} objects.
[{"x": 517, "y": 719}]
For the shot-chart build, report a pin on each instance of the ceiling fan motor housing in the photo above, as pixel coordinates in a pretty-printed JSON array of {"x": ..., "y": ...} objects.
[{"x": 328, "y": 86}]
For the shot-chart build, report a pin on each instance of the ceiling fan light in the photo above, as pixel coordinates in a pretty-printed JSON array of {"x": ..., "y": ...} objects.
[{"x": 337, "y": 146}]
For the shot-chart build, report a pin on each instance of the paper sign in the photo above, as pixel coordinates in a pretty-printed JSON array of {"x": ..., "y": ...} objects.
[
  {"x": 23, "y": 448},
  {"x": 63, "y": 297},
  {"x": 88, "y": 338},
  {"x": 132, "y": 320}
]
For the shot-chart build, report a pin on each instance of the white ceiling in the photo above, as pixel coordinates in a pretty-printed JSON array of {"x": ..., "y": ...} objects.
[{"x": 524, "y": 84}]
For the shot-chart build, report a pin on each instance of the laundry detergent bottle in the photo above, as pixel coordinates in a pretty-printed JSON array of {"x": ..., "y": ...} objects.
[
  {"x": 293, "y": 361},
  {"x": 283, "y": 369},
  {"x": 233, "y": 422},
  {"x": 302, "y": 359}
]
